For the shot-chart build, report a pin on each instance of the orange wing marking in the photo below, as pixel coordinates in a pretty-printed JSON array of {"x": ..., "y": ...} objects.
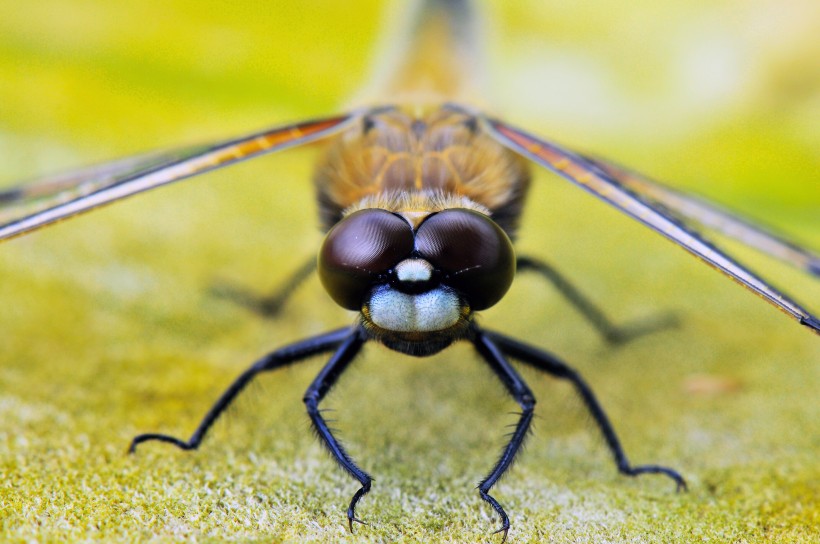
[
  {"x": 642, "y": 208},
  {"x": 120, "y": 179}
]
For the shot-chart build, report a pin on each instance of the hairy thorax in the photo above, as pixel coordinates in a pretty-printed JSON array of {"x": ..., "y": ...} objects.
[{"x": 431, "y": 159}]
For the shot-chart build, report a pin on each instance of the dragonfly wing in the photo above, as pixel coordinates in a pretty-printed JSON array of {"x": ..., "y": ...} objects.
[
  {"x": 714, "y": 217},
  {"x": 597, "y": 181},
  {"x": 44, "y": 201}
]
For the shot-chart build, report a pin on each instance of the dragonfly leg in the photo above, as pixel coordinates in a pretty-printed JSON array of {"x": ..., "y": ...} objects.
[
  {"x": 552, "y": 365},
  {"x": 523, "y": 396},
  {"x": 279, "y": 358},
  {"x": 269, "y": 305},
  {"x": 313, "y": 397},
  {"x": 609, "y": 331}
]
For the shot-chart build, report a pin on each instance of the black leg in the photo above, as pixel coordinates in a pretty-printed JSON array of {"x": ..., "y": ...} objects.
[
  {"x": 279, "y": 358},
  {"x": 314, "y": 395},
  {"x": 611, "y": 333},
  {"x": 549, "y": 363},
  {"x": 523, "y": 396},
  {"x": 266, "y": 305}
]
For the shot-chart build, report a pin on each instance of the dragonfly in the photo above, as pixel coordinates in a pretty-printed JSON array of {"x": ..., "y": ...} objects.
[{"x": 420, "y": 197}]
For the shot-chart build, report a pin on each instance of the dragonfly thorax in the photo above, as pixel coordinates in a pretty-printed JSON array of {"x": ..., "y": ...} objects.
[{"x": 440, "y": 149}]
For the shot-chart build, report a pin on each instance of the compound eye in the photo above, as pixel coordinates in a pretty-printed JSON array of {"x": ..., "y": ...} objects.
[
  {"x": 474, "y": 253},
  {"x": 359, "y": 248}
]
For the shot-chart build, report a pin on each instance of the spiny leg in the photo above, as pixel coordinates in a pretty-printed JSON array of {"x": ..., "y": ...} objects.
[
  {"x": 279, "y": 358},
  {"x": 611, "y": 333},
  {"x": 549, "y": 363},
  {"x": 314, "y": 395},
  {"x": 523, "y": 396},
  {"x": 269, "y": 306}
]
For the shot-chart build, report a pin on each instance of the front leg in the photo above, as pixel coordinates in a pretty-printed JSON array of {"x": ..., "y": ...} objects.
[
  {"x": 549, "y": 363},
  {"x": 523, "y": 396},
  {"x": 314, "y": 395}
]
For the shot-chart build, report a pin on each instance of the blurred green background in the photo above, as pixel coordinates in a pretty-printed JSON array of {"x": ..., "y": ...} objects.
[{"x": 107, "y": 327}]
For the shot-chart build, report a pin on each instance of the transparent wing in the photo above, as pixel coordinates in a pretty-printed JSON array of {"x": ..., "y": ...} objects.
[
  {"x": 713, "y": 216},
  {"x": 643, "y": 208},
  {"x": 39, "y": 203}
]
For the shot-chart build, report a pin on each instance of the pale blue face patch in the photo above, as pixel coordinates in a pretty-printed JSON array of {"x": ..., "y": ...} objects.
[{"x": 434, "y": 310}]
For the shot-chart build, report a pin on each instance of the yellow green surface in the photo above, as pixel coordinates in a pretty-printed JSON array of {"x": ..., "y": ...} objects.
[{"x": 107, "y": 328}]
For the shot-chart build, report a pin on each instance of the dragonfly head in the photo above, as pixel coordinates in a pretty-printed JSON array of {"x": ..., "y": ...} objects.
[{"x": 416, "y": 280}]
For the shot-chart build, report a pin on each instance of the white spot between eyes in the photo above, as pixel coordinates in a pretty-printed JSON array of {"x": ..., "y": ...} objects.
[{"x": 414, "y": 270}]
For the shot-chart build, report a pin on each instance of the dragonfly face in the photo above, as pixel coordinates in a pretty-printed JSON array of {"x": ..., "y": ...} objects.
[{"x": 417, "y": 277}]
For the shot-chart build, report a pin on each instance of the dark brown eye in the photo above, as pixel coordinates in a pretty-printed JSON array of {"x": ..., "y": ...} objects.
[
  {"x": 359, "y": 248},
  {"x": 474, "y": 253}
]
